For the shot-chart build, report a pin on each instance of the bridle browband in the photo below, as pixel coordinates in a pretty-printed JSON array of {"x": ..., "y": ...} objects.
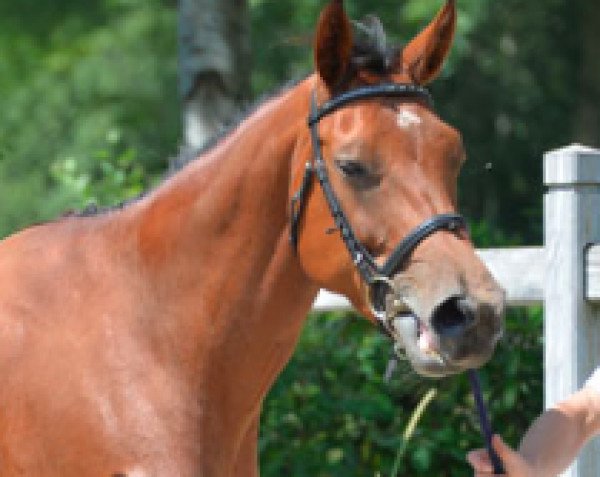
[{"x": 370, "y": 271}]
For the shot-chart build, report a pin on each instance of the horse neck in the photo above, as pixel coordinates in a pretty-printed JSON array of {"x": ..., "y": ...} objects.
[{"x": 214, "y": 240}]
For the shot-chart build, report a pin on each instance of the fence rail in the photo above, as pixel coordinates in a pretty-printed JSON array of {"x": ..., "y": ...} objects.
[
  {"x": 520, "y": 271},
  {"x": 563, "y": 276}
]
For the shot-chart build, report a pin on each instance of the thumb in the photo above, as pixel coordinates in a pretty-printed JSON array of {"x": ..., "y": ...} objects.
[{"x": 480, "y": 460}]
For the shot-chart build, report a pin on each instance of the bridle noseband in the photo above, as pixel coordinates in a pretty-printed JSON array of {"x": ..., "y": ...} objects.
[{"x": 373, "y": 274}]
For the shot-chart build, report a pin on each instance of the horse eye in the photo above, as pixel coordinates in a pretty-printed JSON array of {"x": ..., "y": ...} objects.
[{"x": 351, "y": 168}]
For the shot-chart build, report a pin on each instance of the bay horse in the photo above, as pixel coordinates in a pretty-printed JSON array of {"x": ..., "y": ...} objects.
[{"x": 142, "y": 341}]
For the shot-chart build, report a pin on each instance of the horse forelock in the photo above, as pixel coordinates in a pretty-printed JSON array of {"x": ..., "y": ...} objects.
[{"x": 371, "y": 50}]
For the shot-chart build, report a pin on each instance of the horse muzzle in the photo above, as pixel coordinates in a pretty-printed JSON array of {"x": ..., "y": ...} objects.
[{"x": 459, "y": 333}]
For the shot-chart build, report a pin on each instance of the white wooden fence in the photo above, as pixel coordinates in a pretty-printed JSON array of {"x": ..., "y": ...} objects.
[{"x": 563, "y": 276}]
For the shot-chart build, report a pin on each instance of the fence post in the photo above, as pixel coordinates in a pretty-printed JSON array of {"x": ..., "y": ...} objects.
[{"x": 572, "y": 325}]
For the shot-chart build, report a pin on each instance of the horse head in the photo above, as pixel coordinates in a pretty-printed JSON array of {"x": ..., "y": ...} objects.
[{"x": 392, "y": 165}]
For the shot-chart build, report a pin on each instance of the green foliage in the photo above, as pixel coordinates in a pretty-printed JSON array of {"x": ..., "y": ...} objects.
[
  {"x": 513, "y": 94},
  {"x": 91, "y": 109}
]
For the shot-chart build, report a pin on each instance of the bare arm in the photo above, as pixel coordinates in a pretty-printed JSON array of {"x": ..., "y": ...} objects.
[
  {"x": 556, "y": 437},
  {"x": 551, "y": 443}
]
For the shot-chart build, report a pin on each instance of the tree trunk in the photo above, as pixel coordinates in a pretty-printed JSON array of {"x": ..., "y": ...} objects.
[
  {"x": 214, "y": 56},
  {"x": 587, "y": 118}
]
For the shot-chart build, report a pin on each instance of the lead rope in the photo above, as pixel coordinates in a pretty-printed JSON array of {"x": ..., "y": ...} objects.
[
  {"x": 484, "y": 421},
  {"x": 484, "y": 418}
]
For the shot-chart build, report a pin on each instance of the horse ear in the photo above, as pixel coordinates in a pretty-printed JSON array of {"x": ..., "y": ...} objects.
[
  {"x": 424, "y": 56},
  {"x": 333, "y": 45}
]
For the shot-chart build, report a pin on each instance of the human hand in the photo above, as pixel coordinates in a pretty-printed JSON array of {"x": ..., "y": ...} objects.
[{"x": 514, "y": 464}]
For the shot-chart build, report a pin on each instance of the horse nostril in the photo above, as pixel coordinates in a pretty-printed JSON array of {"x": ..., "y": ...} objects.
[{"x": 453, "y": 317}]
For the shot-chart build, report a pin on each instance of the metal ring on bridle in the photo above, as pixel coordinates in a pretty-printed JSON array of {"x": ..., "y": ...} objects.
[{"x": 371, "y": 299}]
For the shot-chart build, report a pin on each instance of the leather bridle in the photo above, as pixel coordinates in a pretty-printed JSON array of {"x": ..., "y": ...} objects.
[{"x": 373, "y": 274}]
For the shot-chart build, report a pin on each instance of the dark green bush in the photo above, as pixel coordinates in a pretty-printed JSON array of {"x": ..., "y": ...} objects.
[{"x": 332, "y": 414}]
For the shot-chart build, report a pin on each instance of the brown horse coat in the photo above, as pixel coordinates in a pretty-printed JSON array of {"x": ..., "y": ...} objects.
[{"x": 142, "y": 341}]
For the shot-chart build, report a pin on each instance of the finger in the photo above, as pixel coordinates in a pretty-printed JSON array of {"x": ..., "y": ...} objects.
[
  {"x": 509, "y": 457},
  {"x": 502, "y": 448},
  {"x": 480, "y": 460}
]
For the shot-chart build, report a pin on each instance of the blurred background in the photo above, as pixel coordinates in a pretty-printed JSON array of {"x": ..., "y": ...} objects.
[{"x": 98, "y": 98}]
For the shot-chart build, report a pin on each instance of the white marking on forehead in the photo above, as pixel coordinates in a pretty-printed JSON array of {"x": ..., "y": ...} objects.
[{"x": 406, "y": 119}]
